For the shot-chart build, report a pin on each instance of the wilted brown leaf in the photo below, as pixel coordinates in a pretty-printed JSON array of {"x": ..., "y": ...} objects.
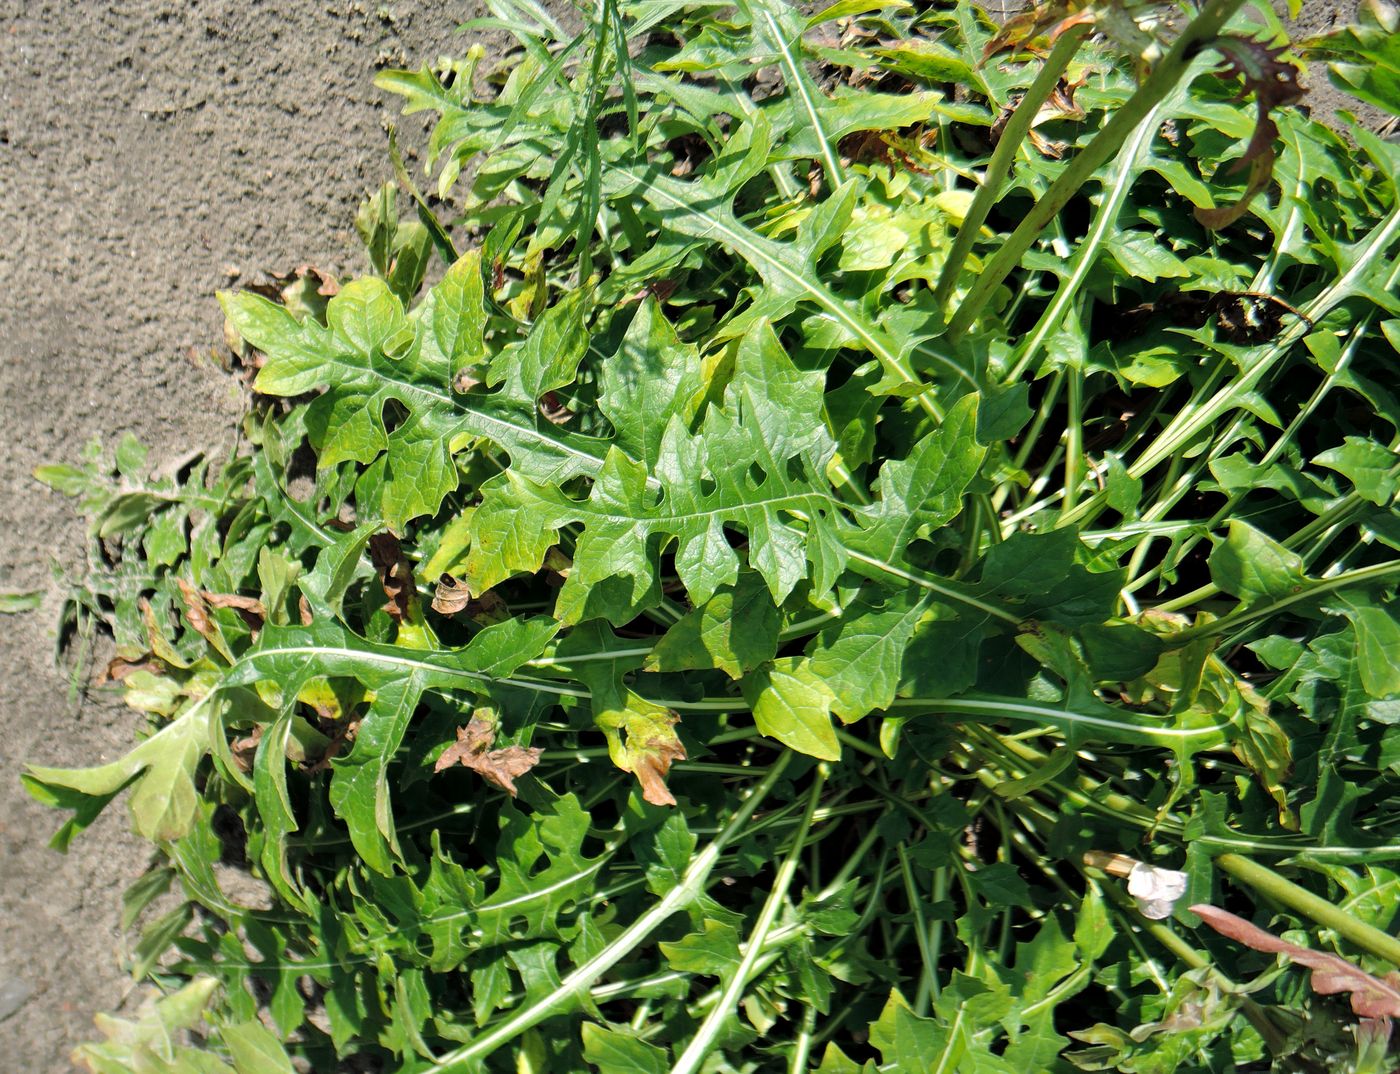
[
  {"x": 651, "y": 764},
  {"x": 343, "y": 734},
  {"x": 244, "y": 748},
  {"x": 451, "y": 596},
  {"x": 395, "y": 574},
  {"x": 304, "y": 610},
  {"x": 498, "y": 767},
  {"x": 119, "y": 668},
  {"x": 250, "y": 609},
  {"x": 1371, "y": 997},
  {"x": 196, "y": 611},
  {"x": 1049, "y": 19},
  {"x": 553, "y": 410}
]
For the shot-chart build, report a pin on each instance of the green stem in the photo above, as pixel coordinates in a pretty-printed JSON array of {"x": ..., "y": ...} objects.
[
  {"x": 700, "y": 1045},
  {"x": 1360, "y": 576},
  {"x": 1012, "y": 137},
  {"x": 928, "y": 983},
  {"x": 1105, "y": 144},
  {"x": 583, "y": 978},
  {"x": 1074, "y": 437},
  {"x": 1267, "y": 882}
]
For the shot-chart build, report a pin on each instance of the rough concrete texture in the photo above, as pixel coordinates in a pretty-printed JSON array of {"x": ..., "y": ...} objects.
[{"x": 146, "y": 147}]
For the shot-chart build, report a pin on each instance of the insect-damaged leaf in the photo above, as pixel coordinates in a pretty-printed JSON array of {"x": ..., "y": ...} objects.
[{"x": 498, "y": 767}]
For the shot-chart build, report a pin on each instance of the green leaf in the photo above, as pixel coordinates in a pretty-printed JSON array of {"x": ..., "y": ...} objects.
[
  {"x": 908, "y": 1042},
  {"x": 161, "y": 771},
  {"x": 766, "y": 460},
  {"x": 373, "y": 359},
  {"x": 860, "y": 657},
  {"x": 255, "y": 1050},
  {"x": 613, "y": 1051},
  {"x": 1377, "y": 642},
  {"x": 14, "y": 603},
  {"x": 360, "y": 785},
  {"x": 1252, "y": 566},
  {"x": 1364, "y": 59},
  {"x": 925, "y": 490},
  {"x": 1371, "y": 467},
  {"x": 736, "y": 630},
  {"x": 148, "y": 1043},
  {"x": 651, "y": 378},
  {"x": 791, "y": 703}
]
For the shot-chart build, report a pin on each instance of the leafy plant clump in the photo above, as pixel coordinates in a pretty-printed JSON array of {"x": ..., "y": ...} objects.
[{"x": 812, "y": 546}]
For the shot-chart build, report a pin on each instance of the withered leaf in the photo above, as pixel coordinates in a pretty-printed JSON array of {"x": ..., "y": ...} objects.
[
  {"x": 119, "y": 668},
  {"x": 1371, "y": 997},
  {"x": 1274, "y": 83},
  {"x": 250, "y": 609},
  {"x": 196, "y": 611},
  {"x": 553, "y": 410},
  {"x": 343, "y": 734},
  {"x": 244, "y": 748},
  {"x": 451, "y": 596},
  {"x": 304, "y": 610},
  {"x": 395, "y": 574},
  {"x": 652, "y": 763},
  {"x": 1050, "y": 19},
  {"x": 498, "y": 767}
]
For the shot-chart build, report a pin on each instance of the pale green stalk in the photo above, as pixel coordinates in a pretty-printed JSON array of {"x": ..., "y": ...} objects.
[
  {"x": 1012, "y": 138},
  {"x": 710, "y": 1029},
  {"x": 1095, "y": 155},
  {"x": 577, "y": 984},
  {"x": 1267, "y": 882}
]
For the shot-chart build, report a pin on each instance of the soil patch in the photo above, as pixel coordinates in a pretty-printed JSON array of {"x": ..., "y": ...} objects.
[{"x": 148, "y": 150}]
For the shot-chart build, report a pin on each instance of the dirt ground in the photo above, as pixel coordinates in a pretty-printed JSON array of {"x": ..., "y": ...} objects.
[{"x": 148, "y": 151}]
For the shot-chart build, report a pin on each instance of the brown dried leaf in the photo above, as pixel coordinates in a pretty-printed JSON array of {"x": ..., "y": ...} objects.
[
  {"x": 244, "y": 748},
  {"x": 451, "y": 596},
  {"x": 119, "y": 668},
  {"x": 1050, "y": 19},
  {"x": 343, "y": 734},
  {"x": 554, "y": 410},
  {"x": 466, "y": 379},
  {"x": 196, "y": 611},
  {"x": 498, "y": 767},
  {"x": 304, "y": 610},
  {"x": 652, "y": 763},
  {"x": 250, "y": 609},
  {"x": 395, "y": 574},
  {"x": 1371, "y": 997}
]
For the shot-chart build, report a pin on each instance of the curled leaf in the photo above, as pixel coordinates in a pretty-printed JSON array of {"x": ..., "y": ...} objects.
[
  {"x": 197, "y": 611},
  {"x": 1274, "y": 83},
  {"x": 642, "y": 740},
  {"x": 498, "y": 767},
  {"x": 395, "y": 574},
  {"x": 651, "y": 763},
  {"x": 451, "y": 596},
  {"x": 250, "y": 609},
  {"x": 1041, "y": 24},
  {"x": 1371, "y": 997}
]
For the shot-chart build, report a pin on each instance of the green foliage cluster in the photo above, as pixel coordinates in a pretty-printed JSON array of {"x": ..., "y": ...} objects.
[{"x": 773, "y": 527}]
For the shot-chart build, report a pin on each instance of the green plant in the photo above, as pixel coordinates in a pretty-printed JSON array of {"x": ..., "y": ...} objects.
[{"x": 668, "y": 641}]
